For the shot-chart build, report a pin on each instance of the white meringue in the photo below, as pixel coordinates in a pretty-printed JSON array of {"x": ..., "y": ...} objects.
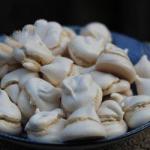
[
  {"x": 6, "y": 68},
  {"x": 111, "y": 116},
  {"x": 109, "y": 83},
  {"x": 5, "y": 53},
  {"x": 13, "y": 92},
  {"x": 58, "y": 70},
  {"x": 115, "y": 61},
  {"x": 10, "y": 116},
  {"x": 34, "y": 53},
  {"x": 142, "y": 85},
  {"x": 104, "y": 80},
  {"x": 46, "y": 127},
  {"x": 12, "y": 42},
  {"x": 117, "y": 97},
  {"x": 42, "y": 94},
  {"x": 143, "y": 67},
  {"x": 7, "y": 62},
  {"x": 25, "y": 105},
  {"x": 78, "y": 91},
  {"x": 83, "y": 124},
  {"x": 85, "y": 50},
  {"x": 121, "y": 87},
  {"x": 13, "y": 83},
  {"x": 41, "y": 27},
  {"x": 97, "y": 30},
  {"x": 16, "y": 76},
  {"x": 71, "y": 34},
  {"x": 54, "y": 35},
  {"x": 137, "y": 110}
]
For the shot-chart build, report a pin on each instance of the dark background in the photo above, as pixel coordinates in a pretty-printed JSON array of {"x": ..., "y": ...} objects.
[{"x": 131, "y": 17}]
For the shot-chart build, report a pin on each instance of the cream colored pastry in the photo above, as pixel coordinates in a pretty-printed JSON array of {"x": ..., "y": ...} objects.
[
  {"x": 5, "y": 53},
  {"x": 58, "y": 70},
  {"x": 12, "y": 42},
  {"x": 16, "y": 76},
  {"x": 142, "y": 85},
  {"x": 97, "y": 30},
  {"x": 104, "y": 80},
  {"x": 41, "y": 27},
  {"x": 45, "y": 126},
  {"x": 42, "y": 94},
  {"x": 78, "y": 91},
  {"x": 115, "y": 61},
  {"x": 6, "y": 68},
  {"x": 85, "y": 50},
  {"x": 7, "y": 62},
  {"x": 10, "y": 116},
  {"x": 13, "y": 91},
  {"x": 128, "y": 92},
  {"x": 83, "y": 124},
  {"x": 71, "y": 34},
  {"x": 54, "y": 35},
  {"x": 109, "y": 83},
  {"x": 121, "y": 87},
  {"x": 117, "y": 97},
  {"x": 111, "y": 116},
  {"x": 13, "y": 83},
  {"x": 34, "y": 52},
  {"x": 25, "y": 105},
  {"x": 137, "y": 110},
  {"x": 143, "y": 67}
]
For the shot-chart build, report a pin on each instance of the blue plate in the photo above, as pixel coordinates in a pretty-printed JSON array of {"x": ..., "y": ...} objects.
[{"x": 136, "y": 50}]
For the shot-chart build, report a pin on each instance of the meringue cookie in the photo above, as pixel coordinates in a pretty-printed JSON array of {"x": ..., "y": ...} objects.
[
  {"x": 46, "y": 126},
  {"x": 5, "y": 53},
  {"x": 13, "y": 84},
  {"x": 121, "y": 87},
  {"x": 83, "y": 124},
  {"x": 71, "y": 34},
  {"x": 53, "y": 35},
  {"x": 58, "y": 70},
  {"x": 12, "y": 42},
  {"x": 104, "y": 80},
  {"x": 13, "y": 92},
  {"x": 85, "y": 50},
  {"x": 137, "y": 110},
  {"x": 143, "y": 67},
  {"x": 97, "y": 30},
  {"x": 25, "y": 105},
  {"x": 35, "y": 53},
  {"x": 10, "y": 116},
  {"x": 42, "y": 94},
  {"x": 115, "y": 61},
  {"x": 16, "y": 76},
  {"x": 7, "y": 62},
  {"x": 6, "y": 68},
  {"x": 127, "y": 92},
  {"x": 117, "y": 97},
  {"x": 41, "y": 27},
  {"x": 142, "y": 85},
  {"x": 78, "y": 91},
  {"x": 111, "y": 116},
  {"x": 109, "y": 83}
]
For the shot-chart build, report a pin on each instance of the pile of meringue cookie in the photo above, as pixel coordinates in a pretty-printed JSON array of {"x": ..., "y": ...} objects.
[{"x": 57, "y": 86}]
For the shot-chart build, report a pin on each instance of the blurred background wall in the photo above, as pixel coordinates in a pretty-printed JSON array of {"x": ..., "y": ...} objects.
[{"x": 131, "y": 17}]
